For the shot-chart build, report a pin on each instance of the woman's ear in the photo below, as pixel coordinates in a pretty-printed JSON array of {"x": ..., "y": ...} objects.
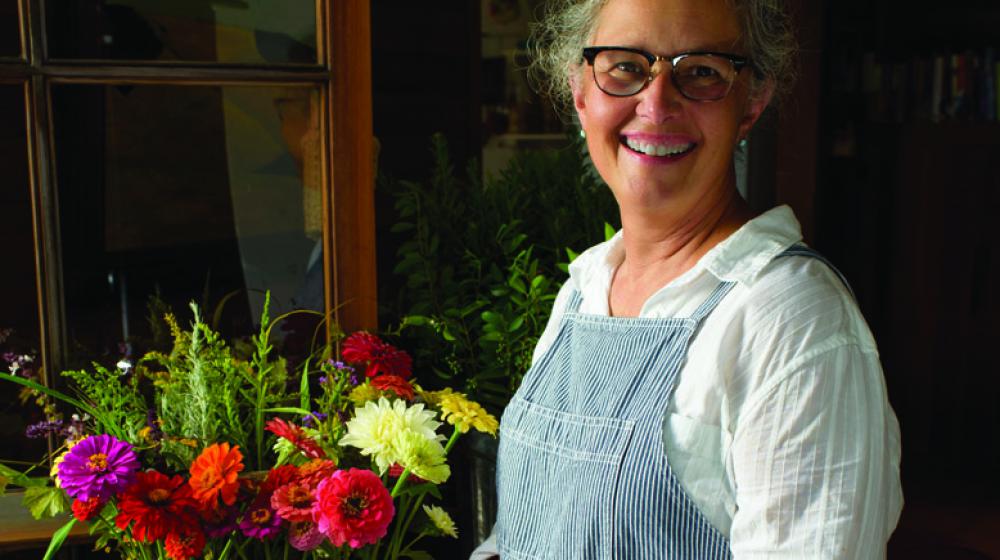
[
  {"x": 576, "y": 86},
  {"x": 755, "y": 105}
]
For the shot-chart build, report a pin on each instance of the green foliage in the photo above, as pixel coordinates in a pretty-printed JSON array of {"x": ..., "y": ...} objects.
[
  {"x": 115, "y": 397},
  {"x": 481, "y": 261},
  {"x": 204, "y": 391},
  {"x": 45, "y": 501}
]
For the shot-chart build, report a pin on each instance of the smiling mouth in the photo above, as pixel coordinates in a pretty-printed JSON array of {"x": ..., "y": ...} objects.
[{"x": 655, "y": 149}]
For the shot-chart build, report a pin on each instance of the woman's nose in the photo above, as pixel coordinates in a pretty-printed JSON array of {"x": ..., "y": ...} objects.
[{"x": 659, "y": 101}]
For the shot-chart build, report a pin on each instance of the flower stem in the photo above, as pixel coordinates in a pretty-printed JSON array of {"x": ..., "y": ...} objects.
[
  {"x": 399, "y": 483},
  {"x": 452, "y": 440}
]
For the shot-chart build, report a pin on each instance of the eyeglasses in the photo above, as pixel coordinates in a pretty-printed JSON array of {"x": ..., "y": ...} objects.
[{"x": 699, "y": 76}]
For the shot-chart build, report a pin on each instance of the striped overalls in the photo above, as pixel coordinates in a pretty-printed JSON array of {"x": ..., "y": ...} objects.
[{"x": 582, "y": 470}]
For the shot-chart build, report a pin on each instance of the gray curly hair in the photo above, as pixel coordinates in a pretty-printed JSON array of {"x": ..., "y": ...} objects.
[{"x": 567, "y": 26}]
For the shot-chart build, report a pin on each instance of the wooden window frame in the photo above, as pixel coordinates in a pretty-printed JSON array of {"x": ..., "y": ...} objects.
[{"x": 343, "y": 76}]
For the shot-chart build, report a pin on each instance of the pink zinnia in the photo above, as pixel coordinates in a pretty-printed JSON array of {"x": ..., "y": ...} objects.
[
  {"x": 99, "y": 466},
  {"x": 353, "y": 507},
  {"x": 378, "y": 357},
  {"x": 293, "y": 502},
  {"x": 260, "y": 521},
  {"x": 305, "y": 536}
]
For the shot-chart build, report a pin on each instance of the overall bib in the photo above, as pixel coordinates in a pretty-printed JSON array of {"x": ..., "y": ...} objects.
[{"x": 582, "y": 470}]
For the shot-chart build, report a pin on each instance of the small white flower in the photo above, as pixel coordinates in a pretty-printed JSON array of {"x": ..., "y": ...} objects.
[{"x": 441, "y": 520}]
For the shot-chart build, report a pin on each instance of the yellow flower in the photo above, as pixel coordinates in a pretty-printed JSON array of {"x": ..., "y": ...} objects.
[
  {"x": 364, "y": 393},
  {"x": 441, "y": 520},
  {"x": 54, "y": 471},
  {"x": 424, "y": 457},
  {"x": 459, "y": 411},
  {"x": 433, "y": 398},
  {"x": 376, "y": 427}
]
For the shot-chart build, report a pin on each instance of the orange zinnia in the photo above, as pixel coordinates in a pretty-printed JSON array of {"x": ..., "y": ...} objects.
[{"x": 214, "y": 474}]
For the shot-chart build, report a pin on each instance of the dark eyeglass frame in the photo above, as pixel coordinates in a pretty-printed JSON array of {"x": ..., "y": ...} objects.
[{"x": 738, "y": 62}]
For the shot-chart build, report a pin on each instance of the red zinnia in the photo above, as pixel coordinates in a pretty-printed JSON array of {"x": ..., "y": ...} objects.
[
  {"x": 159, "y": 505},
  {"x": 313, "y": 472},
  {"x": 378, "y": 357},
  {"x": 278, "y": 477},
  {"x": 85, "y": 510},
  {"x": 297, "y": 436},
  {"x": 215, "y": 474},
  {"x": 396, "y": 471},
  {"x": 293, "y": 502},
  {"x": 394, "y": 383},
  {"x": 353, "y": 507},
  {"x": 185, "y": 544}
]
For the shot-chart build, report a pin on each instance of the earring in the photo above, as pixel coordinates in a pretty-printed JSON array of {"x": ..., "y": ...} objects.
[
  {"x": 743, "y": 142},
  {"x": 583, "y": 133}
]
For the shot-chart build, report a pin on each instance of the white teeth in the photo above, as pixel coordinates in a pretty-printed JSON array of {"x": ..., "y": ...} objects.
[{"x": 657, "y": 149}]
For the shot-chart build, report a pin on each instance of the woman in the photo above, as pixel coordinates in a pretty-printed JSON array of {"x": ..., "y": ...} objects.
[{"x": 706, "y": 387}]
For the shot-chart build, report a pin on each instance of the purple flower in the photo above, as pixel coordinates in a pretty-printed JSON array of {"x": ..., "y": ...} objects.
[
  {"x": 155, "y": 433},
  {"x": 100, "y": 466},
  {"x": 310, "y": 421},
  {"x": 260, "y": 522},
  {"x": 20, "y": 364},
  {"x": 44, "y": 428},
  {"x": 222, "y": 523},
  {"x": 305, "y": 536}
]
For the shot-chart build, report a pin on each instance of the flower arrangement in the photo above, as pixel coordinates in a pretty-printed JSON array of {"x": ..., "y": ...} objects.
[{"x": 200, "y": 452}]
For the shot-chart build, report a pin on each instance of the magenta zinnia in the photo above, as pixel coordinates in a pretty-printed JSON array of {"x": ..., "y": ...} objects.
[
  {"x": 260, "y": 521},
  {"x": 99, "y": 466},
  {"x": 353, "y": 507},
  {"x": 378, "y": 357}
]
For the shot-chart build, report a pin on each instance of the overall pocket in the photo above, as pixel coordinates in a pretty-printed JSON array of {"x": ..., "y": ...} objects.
[{"x": 556, "y": 478}]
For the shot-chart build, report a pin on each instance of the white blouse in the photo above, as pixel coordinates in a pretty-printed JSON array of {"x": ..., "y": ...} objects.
[{"x": 779, "y": 428}]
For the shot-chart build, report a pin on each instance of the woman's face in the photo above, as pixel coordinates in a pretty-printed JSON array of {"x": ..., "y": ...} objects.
[{"x": 705, "y": 133}]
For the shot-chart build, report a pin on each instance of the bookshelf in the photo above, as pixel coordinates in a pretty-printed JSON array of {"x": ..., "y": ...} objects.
[{"x": 908, "y": 191}]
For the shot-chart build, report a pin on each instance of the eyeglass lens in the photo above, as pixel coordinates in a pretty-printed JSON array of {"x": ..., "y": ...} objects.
[{"x": 700, "y": 77}]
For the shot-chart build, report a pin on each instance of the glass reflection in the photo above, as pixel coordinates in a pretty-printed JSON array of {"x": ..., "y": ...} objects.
[
  {"x": 228, "y": 31},
  {"x": 19, "y": 326},
  {"x": 172, "y": 194},
  {"x": 10, "y": 30}
]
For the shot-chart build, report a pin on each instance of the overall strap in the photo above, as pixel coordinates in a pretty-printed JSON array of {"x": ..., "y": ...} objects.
[
  {"x": 800, "y": 250},
  {"x": 575, "y": 299},
  {"x": 709, "y": 304}
]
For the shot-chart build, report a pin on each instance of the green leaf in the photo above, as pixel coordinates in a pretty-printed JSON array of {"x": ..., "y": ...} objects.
[
  {"x": 45, "y": 501},
  {"x": 400, "y": 227},
  {"x": 518, "y": 285},
  {"x": 415, "y": 321},
  {"x": 609, "y": 231},
  {"x": 492, "y": 318},
  {"x": 416, "y": 555},
  {"x": 571, "y": 254},
  {"x": 515, "y": 324},
  {"x": 57, "y": 539},
  {"x": 289, "y": 410}
]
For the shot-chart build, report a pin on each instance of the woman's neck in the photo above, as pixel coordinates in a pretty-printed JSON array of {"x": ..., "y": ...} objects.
[{"x": 658, "y": 250}]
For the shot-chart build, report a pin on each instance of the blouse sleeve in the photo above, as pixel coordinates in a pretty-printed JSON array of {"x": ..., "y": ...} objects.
[{"x": 815, "y": 459}]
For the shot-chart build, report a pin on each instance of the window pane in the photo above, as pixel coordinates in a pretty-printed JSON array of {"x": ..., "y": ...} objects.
[
  {"x": 232, "y": 31},
  {"x": 10, "y": 29},
  {"x": 186, "y": 193},
  {"x": 19, "y": 327}
]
